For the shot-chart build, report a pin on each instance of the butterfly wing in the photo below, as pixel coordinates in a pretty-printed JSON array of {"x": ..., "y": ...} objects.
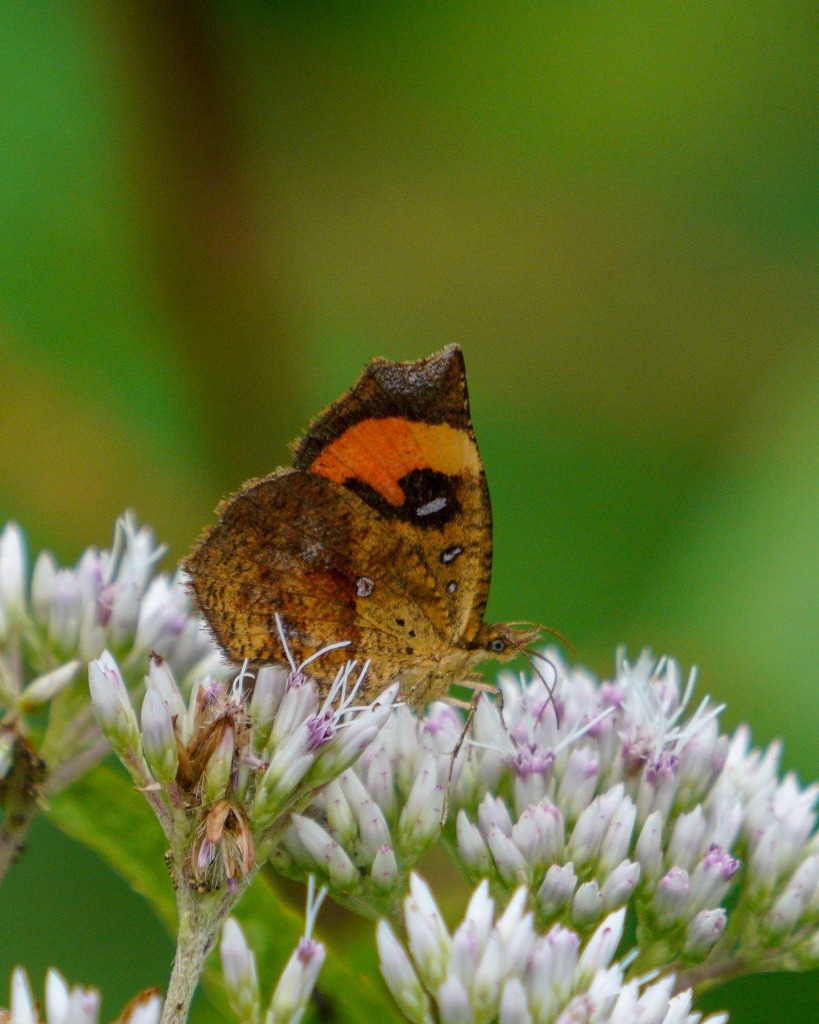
[
  {"x": 300, "y": 545},
  {"x": 402, "y": 440}
]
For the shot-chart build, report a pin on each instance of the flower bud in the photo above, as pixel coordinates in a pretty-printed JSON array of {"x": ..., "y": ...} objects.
[
  {"x": 587, "y": 905},
  {"x": 428, "y": 939},
  {"x": 44, "y": 688},
  {"x": 401, "y": 979},
  {"x": 239, "y": 971},
  {"x": 672, "y": 897},
  {"x": 557, "y": 888},
  {"x": 218, "y": 769},
  {"x": 268, "y": 693},
  {"x": 601, "y": 947},
  {"x": 12, "y": 571},
  {"x": 578, "y": 783},
  {"x": 703, "y": 932},
  {"x": 158, "y": 738},
  {"x": 384, "y": 870},
  {"x": 620, "y": 884},
  {"x": 471, "y": 847},
  {"x": 298, "y": 979},
  {"x": 649, "y": 848},
  {"x": 112, "y": 705}
]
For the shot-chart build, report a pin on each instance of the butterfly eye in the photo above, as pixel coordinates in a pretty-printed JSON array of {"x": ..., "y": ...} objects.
[{"x": 498, "y": 645}]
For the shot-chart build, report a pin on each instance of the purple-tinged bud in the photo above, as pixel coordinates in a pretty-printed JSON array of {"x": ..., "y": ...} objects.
[
  {"x": 220, "y": 764},
  {"x": 297, "y": 704},
  {"x": 601, "y": 947},
  {"x": 160, "y": 678},
  {"x": 416, "y": 825},
  {"x": 158, "y": 738},
  {"x": 579, "y": 782},
  {"x": 712, "y": 877},
  {"x": 340, "y": 817},
  {"x": 45, "y": 688},
  {"x": 112, "y": 705},
  {"x": 355, "y": 792},
  {"x": 538, "y": 834},
  {"x": 400, "y": 976},
  {"x": 704, "y": 931},
  {"x": 509, "y": 861},
  {"x": 617, "y": 841},
  {"x": 658, "y": 785},
  {"x": 698, "y": 762},
  {"x": 268, "y": 693},
  {"x": 239, "y": 971},
  {"x": 672, "y": 897},
  {"x": 492, "y": 811},
  {"x": 799, "y": 893},
  {"x": 687, "y": 837},
  {"x": 384, "y": 869},
  {"x": 649, "y": 848},
  {"x": 587, "y": 905},
  {"x": 471, "y": 847},
  {"x": 381, "y": 780},
  {"x": 428, "y": 939},
  {"x": 373, "y": 829},
  {"x": 620, "y": 884},
  {"x": 326, "y": 853},
  {"x": 286, "y": 770},
  {"x": 588, "y": 834},
  {"x": 557, "y": 889},
  {"x": 298, "y": 979},
  {"x": 349, "y": 742}
]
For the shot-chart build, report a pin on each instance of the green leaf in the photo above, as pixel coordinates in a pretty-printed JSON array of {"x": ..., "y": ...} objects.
[{"x": 104, "y": 812}]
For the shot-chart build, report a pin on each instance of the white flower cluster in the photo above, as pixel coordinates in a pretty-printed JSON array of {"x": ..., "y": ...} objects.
[
  {"x": 500, "y": 969},
  {"x": 110, "y": 600},
  {"x": 608, "y": 793},
  {"x": 74, "y": 1005},
  {"x": 364, "y": 832},
  {"x": 224, "y": 770}
]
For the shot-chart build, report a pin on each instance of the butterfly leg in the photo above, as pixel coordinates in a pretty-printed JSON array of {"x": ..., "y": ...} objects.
[{"x": 471, "y": 707}]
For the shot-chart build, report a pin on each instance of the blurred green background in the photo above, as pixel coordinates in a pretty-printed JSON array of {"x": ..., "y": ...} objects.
[{"x": 213, "y": 214}]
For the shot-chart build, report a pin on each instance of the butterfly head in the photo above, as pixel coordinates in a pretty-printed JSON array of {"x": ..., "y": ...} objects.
[{"x": 504, "y": 640}]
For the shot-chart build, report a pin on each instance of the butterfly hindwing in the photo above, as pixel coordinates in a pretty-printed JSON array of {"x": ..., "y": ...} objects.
[{"x": 300, "y": 545}]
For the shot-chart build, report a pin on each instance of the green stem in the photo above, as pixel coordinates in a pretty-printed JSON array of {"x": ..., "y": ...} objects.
[{"x": 201, "y": 915}]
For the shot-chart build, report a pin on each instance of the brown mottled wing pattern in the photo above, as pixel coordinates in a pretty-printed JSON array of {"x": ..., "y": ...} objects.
[{"x": 300, "y": 545}]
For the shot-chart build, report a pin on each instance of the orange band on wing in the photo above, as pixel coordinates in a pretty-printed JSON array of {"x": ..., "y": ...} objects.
[{"x": 381, "y": 451}]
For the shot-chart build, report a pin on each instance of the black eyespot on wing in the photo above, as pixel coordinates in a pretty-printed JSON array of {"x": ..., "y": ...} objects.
[{"x": 430, "y": 498}]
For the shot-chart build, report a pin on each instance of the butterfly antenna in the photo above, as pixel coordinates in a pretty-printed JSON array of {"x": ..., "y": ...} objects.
[
  {"x": 473, "y": 707},
  {"x": 530, "y": 657},
  {"x": 550, "y": 631}
]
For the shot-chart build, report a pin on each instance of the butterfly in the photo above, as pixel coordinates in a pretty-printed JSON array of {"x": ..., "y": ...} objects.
[{"x": 380, "y": 535}]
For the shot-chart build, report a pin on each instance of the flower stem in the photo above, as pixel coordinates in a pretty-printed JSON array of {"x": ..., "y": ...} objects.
[{"x": 201, "y": 915}]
